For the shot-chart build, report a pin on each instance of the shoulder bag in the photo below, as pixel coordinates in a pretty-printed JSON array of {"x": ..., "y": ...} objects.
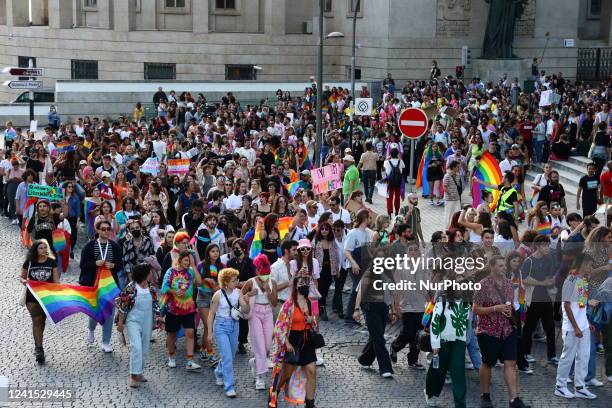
[{"x": 235, "y": 311}]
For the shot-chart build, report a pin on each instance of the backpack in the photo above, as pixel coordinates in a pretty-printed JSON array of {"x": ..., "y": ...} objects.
[{"x": 395, "y": 178}]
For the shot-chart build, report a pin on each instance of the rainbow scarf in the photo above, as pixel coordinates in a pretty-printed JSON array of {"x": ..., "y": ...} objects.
[
  {"x": 487, "y": 170},
  {"x": 60, "y": 301},
  {"x": 544, "y": 228},
  {"x": 61, "y": 244}
]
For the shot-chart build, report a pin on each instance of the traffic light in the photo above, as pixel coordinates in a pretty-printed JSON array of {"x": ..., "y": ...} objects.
[
  {"x": 466, "y": 55},
  {"x": 459, "y": 71}
]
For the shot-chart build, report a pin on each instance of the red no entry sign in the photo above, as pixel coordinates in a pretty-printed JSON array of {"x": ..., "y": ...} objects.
[{"x": 413, "y": 123}]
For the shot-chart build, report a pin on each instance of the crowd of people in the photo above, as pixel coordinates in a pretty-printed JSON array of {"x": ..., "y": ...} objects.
[{"x": 201, "y": 254}]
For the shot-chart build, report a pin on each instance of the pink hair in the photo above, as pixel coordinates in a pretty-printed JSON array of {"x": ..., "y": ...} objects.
[{"x": 262, "y": 264}]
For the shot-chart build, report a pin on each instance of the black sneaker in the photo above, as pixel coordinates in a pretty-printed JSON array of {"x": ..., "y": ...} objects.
[
  {"x": 393, "y": 355},
  {"x": 517, "y": 403},
  {"x": 39, "y": 352},
  {"x": 485, "y": 401}
]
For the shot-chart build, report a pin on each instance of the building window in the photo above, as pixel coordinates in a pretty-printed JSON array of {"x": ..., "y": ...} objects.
[
  {"x": 240, "y": 73},
  {"x": 328, "y": 6},
  {"x": 156, "y": 71},
  {"x": 225, "y": 4},
  {"x": 24, "y": 62},
  {"x": 357, "y": 72},
  {"x": 90, "y": 3},
  {"x": 594, "y": 9},
  {"x": 175, "y": 3},
  {"x": 84, "y": 69},
  {"x": 353, "y": 4}
]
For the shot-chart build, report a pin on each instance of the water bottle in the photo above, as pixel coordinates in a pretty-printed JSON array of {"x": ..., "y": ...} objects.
[{"x": 435, "y": 361}]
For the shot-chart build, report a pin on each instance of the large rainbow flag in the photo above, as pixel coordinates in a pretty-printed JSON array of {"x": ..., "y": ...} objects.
[
  {"x": 60, "y": 300},
  {"x": 487, "y": 170}
]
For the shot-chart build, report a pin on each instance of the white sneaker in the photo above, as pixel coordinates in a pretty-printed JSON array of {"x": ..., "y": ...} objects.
[
  {"x": 191, "y": 366},
  {"x": 469, "y": 366},
  {"x": 15, "y": 222},
  {"x": 610, "y": 378},
  {"x": 270, "y": 364},
  {"x": 107, "y": 348},
  {"x": 563, "y": 392},
  {"x": 529, "y": 358},
  {"x": 231, "y": 394},
  {"x": 570, "y": 380},
  {"x": 387, "y": 375},
  {"x": 252, "y": 365},
  {"x": 595, "y": 382},
  {"x": 320, "y": 362},
  {"x": 260, "y": 384},
  {"x": 430, "y": 401},
  {"x": 584, "y": 393},
  {"x": 171, "y": 362},
  {"x": 90, "y": 338},
  {"x": 219, "y": 381}
]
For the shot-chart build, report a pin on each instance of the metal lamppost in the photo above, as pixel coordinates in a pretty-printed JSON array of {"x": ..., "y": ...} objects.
[
  {"x": 356, "y": 5},
  {"x": 319, "y": 107}
]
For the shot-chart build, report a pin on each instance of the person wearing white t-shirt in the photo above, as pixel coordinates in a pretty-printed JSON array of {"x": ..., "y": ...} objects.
[
  {"x": 280, "y": 270},
  {"x": 159, "y": 148},
  {"x": 576, "y": 330},
  {"x": 355, "y": 243},
  {"x": 337, "y": 212},
  {"x": 507, "y": 164},
  {"x": 234, "y": 201}
]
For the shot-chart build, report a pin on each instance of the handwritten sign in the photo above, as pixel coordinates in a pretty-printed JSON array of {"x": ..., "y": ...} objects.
[
  {"x": 150, "y": 166},
  {"x": 327, "y": 178},
  {"x": 178, "y": 166},
  {"x": 51, "y": 193}
]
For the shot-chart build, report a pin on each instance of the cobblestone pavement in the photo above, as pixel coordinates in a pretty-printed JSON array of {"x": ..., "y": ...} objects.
[{"x": 100, "y": 380}]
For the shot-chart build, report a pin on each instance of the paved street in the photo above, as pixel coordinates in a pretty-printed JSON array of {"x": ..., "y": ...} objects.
[{"x": 100, "y": 380}]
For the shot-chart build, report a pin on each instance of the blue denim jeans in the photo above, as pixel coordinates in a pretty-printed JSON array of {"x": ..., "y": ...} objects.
[
  {"x": 107, "y": 327},
  {"x": 138, "y": 326},
  {"x": 537, "y": 146},
  {"x": 472, "y": 342},
  {"x": 225, "y": 330}
]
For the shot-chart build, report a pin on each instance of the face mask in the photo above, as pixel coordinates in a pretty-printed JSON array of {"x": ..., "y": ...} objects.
[
  {"x": 237, "y": 253},
  {"x": 136, "y": 233},
  {"x": 304, "y": 290},
  {"x": 264, "y": 278}
]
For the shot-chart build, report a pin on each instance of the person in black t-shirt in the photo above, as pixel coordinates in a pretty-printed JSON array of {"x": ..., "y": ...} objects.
[
  {"x": 553, "y": 191},
  {"x": 39, "y": 266},
  {"x": 588, "y": 191},
  {"x": 41, "y": 226}
]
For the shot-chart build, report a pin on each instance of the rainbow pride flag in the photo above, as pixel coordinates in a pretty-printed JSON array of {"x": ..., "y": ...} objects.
[
  {"x": 427, "y": 313},
  {"x": 59, "y": 240},
  {"x": 421, "y": 179},
  {"x": 89, "y": 207},
  {"x": 283, "y": 226},
  {"x": 487, "y": 170},
  {"x": 256, "y": 245},
  {"x": 64, "y": 147},
  {"x": 544, "y": 228},
  {"x": 293, "y": 188},
  {"x": 60, "y": 300}
]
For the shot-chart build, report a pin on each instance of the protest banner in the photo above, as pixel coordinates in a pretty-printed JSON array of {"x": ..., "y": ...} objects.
[
  {"x": 50, "y": 193},
  {"x": 150, "y": 166},
  {"x": 178, "y": 166},
  {"x": 326, "y": 178}
]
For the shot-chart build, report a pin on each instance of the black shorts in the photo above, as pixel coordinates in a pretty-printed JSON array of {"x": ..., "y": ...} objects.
[
  {"x": 301, "y": 344},
  {"x": 494, "y": 349},
  {"x": 175, "y": 322}
]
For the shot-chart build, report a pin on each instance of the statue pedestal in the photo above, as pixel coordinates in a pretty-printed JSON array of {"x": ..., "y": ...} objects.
[{"x": 491, "y": 70}]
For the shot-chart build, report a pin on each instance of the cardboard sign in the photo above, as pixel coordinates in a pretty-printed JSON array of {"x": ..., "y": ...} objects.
[
  {"x": 178, "y": 166},
  {"x": 150, "y": 166},
  {"x": 50, "y": 193},
  {"x": 326, "y": 178},
  {"x": 546, "y": 98}
]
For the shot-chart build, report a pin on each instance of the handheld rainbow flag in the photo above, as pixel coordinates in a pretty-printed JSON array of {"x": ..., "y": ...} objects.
[
  {"x": 64, "y": 147},
  {"x": 59, "y": 239},
  {"x": 293, "y": 188},
  {"x": 544, "y": 228},
  {"x": 283, "y": 226},
  {"x": 421, "y": 180},
  {"x": 256, "y": 246},
  {"x": 89, "y": 207},
  {"x": 427, "y": 313},
  {"x": 487, "y": 170},
  {"x": 60, "y": 300},
  {"x": 28, "y": 212}
]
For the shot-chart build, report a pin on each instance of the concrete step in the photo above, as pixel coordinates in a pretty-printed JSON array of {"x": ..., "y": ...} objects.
[
  {"x": 576, "y": 169},
  {"x": 580, "y": 160},
  {"x": 569, "y": 185}
]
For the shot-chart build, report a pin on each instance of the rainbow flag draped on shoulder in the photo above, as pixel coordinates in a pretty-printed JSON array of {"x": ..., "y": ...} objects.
[
  {"x": 61, "y": 300},
  {"x": 487, "y": 170}
]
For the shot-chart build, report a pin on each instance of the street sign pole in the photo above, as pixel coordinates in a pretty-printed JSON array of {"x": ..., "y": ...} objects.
[
  {"x": 412, "y": 146},
  {"x": 31, "y": 65}
]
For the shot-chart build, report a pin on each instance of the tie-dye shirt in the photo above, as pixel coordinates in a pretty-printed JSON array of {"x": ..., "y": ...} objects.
[{"x": 182, "y": 281}]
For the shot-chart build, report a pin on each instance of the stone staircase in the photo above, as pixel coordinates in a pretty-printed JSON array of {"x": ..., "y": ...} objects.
[{"x": 570, "y": 172}]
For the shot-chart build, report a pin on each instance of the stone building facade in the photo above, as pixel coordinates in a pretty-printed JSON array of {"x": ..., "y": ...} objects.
[{"x": 215, "y": 40}]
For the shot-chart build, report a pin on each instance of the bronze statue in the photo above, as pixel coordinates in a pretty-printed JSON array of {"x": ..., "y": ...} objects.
[{"x": 499, "y": 33}]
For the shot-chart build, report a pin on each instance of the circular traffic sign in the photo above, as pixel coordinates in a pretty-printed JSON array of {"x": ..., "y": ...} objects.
[{"x": 413, "y": 123}]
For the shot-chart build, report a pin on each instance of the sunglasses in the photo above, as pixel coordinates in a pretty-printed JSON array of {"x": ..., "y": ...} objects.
[
  {"x": 305, "y": 249},
  {"x": 104, "y": 229},
  {"x": 325, "y": 229}
]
